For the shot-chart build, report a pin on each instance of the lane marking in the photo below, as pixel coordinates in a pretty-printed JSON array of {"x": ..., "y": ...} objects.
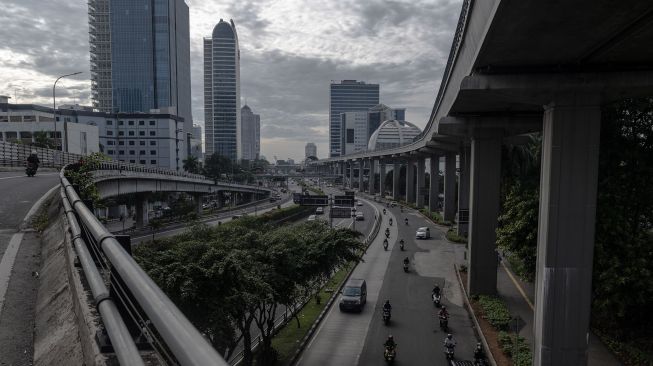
[
  {"x": 7, "y": 264},
  {"x": 24, "y": 176},
  {"x": 519, "y": 288}
]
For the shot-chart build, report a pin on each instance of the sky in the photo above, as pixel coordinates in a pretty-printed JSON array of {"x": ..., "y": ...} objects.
[{"x": 290, "y": 51}]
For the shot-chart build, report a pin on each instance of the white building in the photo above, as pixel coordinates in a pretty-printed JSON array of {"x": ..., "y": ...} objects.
[
  {"x": 250, "y": 137},
  {"x": 393, "y": 134}
]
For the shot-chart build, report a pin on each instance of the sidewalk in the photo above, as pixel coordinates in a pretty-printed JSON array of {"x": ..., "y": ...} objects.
[{"x": 520, "y": 299}]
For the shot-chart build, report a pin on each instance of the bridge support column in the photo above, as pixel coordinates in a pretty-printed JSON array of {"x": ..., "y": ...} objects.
[
  {"x": 410, "y": 181},
  {"x": 484, "y": 211},
  {"x": 142, "y": 218},
  {"x": 396, "y": 171},
  {"x": 197, "y": 199},
  {"x": 565, "y": 243},
  {"x": 350, "y": 174},
  {"x": 434, "y": 182},
  {"x": 419, "y": 201},
  {"x": 463, "y": 190},
  {"x": 381, "y": 178},
  {"x": 371, "y": 181},
  {"x": 361, "y": 169},
  {"x": 449, "y": 206}
]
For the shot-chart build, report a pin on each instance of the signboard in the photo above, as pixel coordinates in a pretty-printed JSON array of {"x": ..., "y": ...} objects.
[
  {"x": 340, "y": 212},
  {"x": 347, "y": 201},
  {"x": 349, "y": 193},
  {"x": 314, "y": 200}
]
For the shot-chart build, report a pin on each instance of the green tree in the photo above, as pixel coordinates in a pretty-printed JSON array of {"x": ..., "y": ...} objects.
[
  {"x": 216, "y": 166},
  {"x": 41, "y": 139},
  {"x": 192, "y": 165}
]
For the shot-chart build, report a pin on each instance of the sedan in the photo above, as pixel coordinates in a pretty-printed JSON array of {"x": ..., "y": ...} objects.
[
  {"x": 359, "y": 203},
  {"x": 423, "y": 233},
  {"x": 319, "y": 211},
  {"x": 359, "y": 216},
  {"x": 312, "y": 218}
]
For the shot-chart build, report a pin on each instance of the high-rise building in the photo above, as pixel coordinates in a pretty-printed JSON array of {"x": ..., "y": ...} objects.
[
  {"x": 222, "y": 125},
  {"x": 251, "y": 133},
  {"x": 357, "y": 127},
  {"x": 310, "y": 150},
  {"x": 347, "y": 96},
  {"x": 196, "y": 143},
  {"x": 140, "y": 58}
]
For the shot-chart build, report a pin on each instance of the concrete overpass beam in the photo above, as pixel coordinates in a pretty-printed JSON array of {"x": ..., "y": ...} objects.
[
  {"x": 484, "y": 210},
  {"x": 449, "y": 186},
  {"x": 463, "y": 190},
  {"x": 421, "y": 162},
  {"x": 565, "y": 244},
  {"x": 434, "y": 183},
  {"x": 381, "y": 178},
  {"x": 372, "y": 177},
  {"x": 396, "y": 171},
  {"x": 410, "y": 181},
  {"x": 142, "y": 217}
]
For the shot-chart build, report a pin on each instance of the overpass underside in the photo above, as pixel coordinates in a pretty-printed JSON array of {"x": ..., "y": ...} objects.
[{"x": 516, "y": 67}]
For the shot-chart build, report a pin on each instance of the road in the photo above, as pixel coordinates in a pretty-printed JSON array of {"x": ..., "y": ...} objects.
[
  {"x": 357, "y": 339},
  {"x": 20, "y": 251}
]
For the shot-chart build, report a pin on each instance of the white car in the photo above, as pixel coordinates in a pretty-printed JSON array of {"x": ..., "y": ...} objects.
[
  {"x": 393, "y": 203},
  {"x": 312, "y": 218},
  {"x": 319, "y": 211},
  {"x": 359, "y": 216},
  {"x": 423, "y": 233},
  {"x": 359, "y": 203}
]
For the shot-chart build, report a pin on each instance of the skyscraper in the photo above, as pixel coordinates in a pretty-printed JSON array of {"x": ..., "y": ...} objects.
[
  {"x": 348, "y": 96},
  {"x": 310, "y": 150},
  {"x": 251, "y": 133},
  {"x": 140, "y": 57},
  {"x": 222, "y": 92}
]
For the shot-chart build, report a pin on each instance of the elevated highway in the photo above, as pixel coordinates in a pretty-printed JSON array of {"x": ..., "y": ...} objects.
[{"x": 520, "y": 66}]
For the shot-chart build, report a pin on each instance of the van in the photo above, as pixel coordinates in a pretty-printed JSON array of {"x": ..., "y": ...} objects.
[{"x": 353, "y": 295}]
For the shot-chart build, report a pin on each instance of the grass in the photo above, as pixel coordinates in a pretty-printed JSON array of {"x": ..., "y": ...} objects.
[
  {"x": 41, "y": 219},
  {"x": 435, "y": 217},
  {"x": 453, "y": 236},
  {"x": 287, "y": 340}
]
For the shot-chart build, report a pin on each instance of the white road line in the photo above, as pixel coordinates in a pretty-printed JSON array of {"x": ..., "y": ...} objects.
[
  {"x": 7, "y": 264},
  {"x": 23, "y": 176}
]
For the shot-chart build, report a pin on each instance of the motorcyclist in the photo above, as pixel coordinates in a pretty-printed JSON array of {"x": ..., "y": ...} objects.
[
  {"x": 33, "y": 159},
  {"x": 449, "y": 342},
  {"x": 443, "y": 314},
  {"x": 390, "y": 221},
  {"x": 387, "y": 306},
  {"x": 479, "y": 354},
  {"x": 401, "y": 244},
  {"x": 387, "y": 232},
  {"x": 390, "y": 342},
  {"x": 436, "y": 290},
  {"x": 384, "y": 211},
  {"x": 385, "y": 242},
  {"x": 406, "y": 220},
  {"x": 406, "y": 261}
]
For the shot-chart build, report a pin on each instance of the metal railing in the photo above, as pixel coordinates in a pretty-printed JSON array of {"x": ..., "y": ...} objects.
[
  {"x": 12, "y": 154},
  {"x": 165, "y": 327}
]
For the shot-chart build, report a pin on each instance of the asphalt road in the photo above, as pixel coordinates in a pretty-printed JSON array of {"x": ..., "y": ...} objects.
[
  {"x": 357, "y": 339},
  {"x": 20, "y": 256}
]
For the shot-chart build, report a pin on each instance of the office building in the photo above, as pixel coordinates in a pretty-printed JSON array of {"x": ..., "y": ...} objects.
[
  {"x": 251, "y": 133},
  {"x": 222, "y": 125},
  {"x": 393, "y": 134},
  {"x": 347, "y": 96},
  {"x": 140, "y": 58},
  {"x": 357, "y": 127},
  {"x": 380, "y": 113},
  {"x": 196, "y": 143},
  {"x": 310, "y": 150}
]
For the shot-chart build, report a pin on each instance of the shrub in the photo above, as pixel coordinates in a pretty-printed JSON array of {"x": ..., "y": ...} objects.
[
  {"x": 495, "y": 311},
  {"x": 516, "y": 347},
  {"x": 454, "y": 237}
]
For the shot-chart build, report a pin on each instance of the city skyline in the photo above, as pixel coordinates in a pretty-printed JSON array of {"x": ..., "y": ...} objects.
[{"x": 287, "y": 65}]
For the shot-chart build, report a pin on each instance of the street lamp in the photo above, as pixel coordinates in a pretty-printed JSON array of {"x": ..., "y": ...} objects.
[{"x": 54, "y": 109}]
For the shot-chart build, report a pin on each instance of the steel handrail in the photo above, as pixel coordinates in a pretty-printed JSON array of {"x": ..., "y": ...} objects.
[{"x": 185, "y": 342}]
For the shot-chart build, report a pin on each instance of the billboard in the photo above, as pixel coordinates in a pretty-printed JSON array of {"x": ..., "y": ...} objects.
[{"x": 340, "y": 212}]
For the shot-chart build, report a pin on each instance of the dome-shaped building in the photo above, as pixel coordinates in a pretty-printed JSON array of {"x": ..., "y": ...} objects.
[{"x": 393, "y": 133}]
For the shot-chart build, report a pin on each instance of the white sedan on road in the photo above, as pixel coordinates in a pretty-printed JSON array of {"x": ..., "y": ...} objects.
[{"x": 423, "y": 233}]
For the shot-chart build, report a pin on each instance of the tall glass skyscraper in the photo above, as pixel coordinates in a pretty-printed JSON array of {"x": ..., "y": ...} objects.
[
  {"x": 347, "y": 96},
  {"x": 251, "y": 133},
  {"x": 140, "y": 57},
  {"x": 222, "y": 128}
]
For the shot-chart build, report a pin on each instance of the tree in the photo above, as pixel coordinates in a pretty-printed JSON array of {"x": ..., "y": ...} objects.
[
  {"x": 192, "y": 165},
  {"x": 41, "y": 139},
  {"x": 216, "y": 165}
]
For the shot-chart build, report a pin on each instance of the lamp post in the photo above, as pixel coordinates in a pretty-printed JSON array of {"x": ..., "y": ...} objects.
[{"x": 54, "y": 108}]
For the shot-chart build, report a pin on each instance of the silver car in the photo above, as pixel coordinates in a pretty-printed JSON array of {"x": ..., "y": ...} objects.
[{"x": 423, "y": 233}]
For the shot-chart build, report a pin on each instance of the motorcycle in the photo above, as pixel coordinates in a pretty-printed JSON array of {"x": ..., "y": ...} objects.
[
  {"x": 401, "y": 245},
  {"x": 444, "y": 323},
  {"x": 436, "y": 299},
  {"x": 406, "y": 220},
  {"x": 390, "y": 221},
  {"x": 449, "y": 352},
  {"x": 385, "y": 244},
  {"x": 405, "y": 267},
  {"x": 384, "y": 211},
  {"x": 386, "y": 316},
  {"x": 30, "y": 170},
  {"x": 390, "y": 354},
  {"x": 480, "y": 361}
]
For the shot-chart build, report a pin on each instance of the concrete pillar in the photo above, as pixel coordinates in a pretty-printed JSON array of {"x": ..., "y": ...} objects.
[
  {"x": 372, "y": 177},
  {"x": 449, "y": 206},
  {"x": 142, "y": 217},
  {"x": 361, "y": 169},
  {"x": 463, "y": 190},
  {"x": 197, "y": 200},
  {"x": 396, "y": 170},
  {"x": 565, "y": 243},
  {"x": 351, "y": 174},
  {"x": 419, "y": 200},
  {"x": 484, "y": 210},
  {"x": 381, "y": 178},
  {"x": 410, "y": 181},
  {"x": 434, "y": 184}
]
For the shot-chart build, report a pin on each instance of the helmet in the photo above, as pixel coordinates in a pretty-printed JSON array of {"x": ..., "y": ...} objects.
[
  {"x": 478, "y": 345},
  {"x": 449, "y": 336},
  {"x": 390, "y": 337},
  {"x": 387, "y": 301},
  {"x": 444, "y": 307}
]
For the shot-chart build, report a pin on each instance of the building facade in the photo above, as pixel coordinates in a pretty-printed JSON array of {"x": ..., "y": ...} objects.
[
  {"x": 347, "y": 96},
  {"x": 357, "y": 127},
  {"x": 153, "y": 139},
  {"x": 392, "y": 134},
  {"x": 140, "y": 58},
  {"x": 196, "y": 143},
  {"x": 222, "y": 123},
  {"x": 251, "y": 133},
  {"x": 310, "y": 150}
]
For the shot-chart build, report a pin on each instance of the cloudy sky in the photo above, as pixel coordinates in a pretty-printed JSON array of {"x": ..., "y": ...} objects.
[{"x": 290, "y": 51}]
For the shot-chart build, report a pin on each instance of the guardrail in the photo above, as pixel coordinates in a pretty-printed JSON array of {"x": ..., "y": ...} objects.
[
  {"x": 16, "y": 155},
  {"x": 164, "y": 326}
]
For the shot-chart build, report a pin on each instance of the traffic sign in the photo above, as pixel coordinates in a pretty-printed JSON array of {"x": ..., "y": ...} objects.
[
  {"x": 307, "y": 200},
  {"x": 343, "y": 201},
  {"x": 340, "y": 212}
]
